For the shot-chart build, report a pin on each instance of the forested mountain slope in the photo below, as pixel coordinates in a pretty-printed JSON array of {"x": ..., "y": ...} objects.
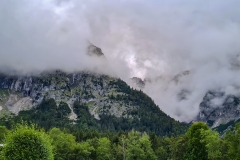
[{"x": 81, "y": 101}]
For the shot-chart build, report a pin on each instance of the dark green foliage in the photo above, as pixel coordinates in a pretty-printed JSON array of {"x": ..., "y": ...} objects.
[
  {"x": 3, "y": 133},
  {"x": 85, "y": 119},
  {"x": 199, "y": 142},
  {"x": 232, "y": 139},
  {"x": 224, "y": 127},
  {"x": 146, "y": 117},
  {"x": 196, "y": 149},
  {"x": 63, "y": 110},
  {"x": 26, "y": 143},
  {"x": 47, "y": 115}
]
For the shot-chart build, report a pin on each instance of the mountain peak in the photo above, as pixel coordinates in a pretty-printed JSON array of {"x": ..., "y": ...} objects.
[{"x": 94, "y": 51}]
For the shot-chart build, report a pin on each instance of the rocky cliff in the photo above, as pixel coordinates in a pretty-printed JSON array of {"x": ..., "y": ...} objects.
[
  {"x": 112, "y": 103},
  {"x": 23, "y": 93},
  {"x": 217, "y": 108}
]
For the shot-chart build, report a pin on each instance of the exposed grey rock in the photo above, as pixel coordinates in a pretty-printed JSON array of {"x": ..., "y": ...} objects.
[
  {"x": 94, "y": 51},
  {"x": 16, "y": 104},
  {"x": 92, "y": 89},
  {"x": 217, "y": 108}
]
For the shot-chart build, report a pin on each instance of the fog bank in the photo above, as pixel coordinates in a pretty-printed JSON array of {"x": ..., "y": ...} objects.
[{"x": 153, "y": 40}]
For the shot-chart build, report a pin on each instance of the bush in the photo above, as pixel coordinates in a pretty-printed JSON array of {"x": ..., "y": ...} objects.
[{"x": 27, "y": 143}]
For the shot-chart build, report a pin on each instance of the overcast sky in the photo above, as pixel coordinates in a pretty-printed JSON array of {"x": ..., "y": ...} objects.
[{"x": 154, "y": 39}]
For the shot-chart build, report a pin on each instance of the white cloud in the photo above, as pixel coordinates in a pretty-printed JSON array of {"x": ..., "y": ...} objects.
[{"x": 150, "y": 39}]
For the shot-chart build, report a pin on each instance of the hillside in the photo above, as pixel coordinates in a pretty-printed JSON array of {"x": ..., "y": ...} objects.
[{"x": 81, "y": 101}]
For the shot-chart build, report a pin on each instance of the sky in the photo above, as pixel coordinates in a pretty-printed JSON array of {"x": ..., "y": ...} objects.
[{"x": 155, "y": 40}]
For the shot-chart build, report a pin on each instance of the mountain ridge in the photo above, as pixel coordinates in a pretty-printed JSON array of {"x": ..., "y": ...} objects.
[{"x": 108, "y": 100}]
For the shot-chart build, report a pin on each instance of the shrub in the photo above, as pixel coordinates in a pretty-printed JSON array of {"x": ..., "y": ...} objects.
[{"x": 27, "y": 143}]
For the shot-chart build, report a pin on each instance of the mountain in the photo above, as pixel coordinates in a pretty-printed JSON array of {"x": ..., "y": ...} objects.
[
  {"x": 82, "y": 100},
  {"x": 218, "y": 108},
  {"x": 95, "y": 51}
]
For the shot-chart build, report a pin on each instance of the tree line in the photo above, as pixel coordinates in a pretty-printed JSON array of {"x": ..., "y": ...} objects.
[{"x": 26, "y": 141}]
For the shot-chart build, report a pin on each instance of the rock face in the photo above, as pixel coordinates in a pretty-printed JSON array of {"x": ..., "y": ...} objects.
[
  {"x": 112, "y": 104},
  {"x": 217, "y": 108},
  {"x": 95, "y": 51},
  {"x": 16, "y": 103},
  {"x": 23, "y": 93}
]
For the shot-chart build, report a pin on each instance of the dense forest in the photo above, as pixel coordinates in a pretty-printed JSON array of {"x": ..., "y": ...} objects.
[
  {"x": 198, "y": 143},
  {"x": 48, "y": 115}
]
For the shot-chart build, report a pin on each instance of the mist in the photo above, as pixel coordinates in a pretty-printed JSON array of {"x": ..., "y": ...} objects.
[{"x": 154, "y": 40}]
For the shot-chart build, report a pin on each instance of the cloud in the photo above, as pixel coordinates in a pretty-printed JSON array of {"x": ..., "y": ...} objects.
[{"x": 150, "y": 39}]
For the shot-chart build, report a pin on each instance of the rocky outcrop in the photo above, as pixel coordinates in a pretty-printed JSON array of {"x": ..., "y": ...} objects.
[
  {"x": 16, "y": 103},
  {"x": 92, "y": 89},
  {"x": 95, "y": 51},
  {"x": 217, "y": 108}
]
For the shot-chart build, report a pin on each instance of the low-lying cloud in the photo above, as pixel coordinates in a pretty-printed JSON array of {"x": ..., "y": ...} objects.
[{"x": 155, "y": 40}]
